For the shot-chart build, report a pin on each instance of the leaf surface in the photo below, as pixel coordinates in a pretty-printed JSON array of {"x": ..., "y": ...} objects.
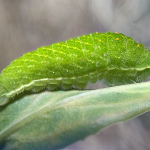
[{"x": 53, "y": 120}]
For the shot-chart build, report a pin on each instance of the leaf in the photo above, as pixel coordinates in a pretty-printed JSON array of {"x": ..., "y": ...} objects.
[{"x": 53, "y": 120}]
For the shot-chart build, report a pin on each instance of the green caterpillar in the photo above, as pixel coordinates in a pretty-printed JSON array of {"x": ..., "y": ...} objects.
[{"x": 111, "y": 57}]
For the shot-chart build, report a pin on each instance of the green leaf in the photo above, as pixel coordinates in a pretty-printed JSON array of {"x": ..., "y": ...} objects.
[{"x": 52, "y": 120}]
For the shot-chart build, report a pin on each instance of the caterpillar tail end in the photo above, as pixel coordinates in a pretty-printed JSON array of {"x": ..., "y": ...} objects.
[{"x": 3, "y": 100}]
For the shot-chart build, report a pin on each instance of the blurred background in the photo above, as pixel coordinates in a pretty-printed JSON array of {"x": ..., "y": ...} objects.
[{"x": 27, "y": 25}]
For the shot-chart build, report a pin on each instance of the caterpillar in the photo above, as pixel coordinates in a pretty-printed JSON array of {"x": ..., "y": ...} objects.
[{"x": 114, "y": 58}]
